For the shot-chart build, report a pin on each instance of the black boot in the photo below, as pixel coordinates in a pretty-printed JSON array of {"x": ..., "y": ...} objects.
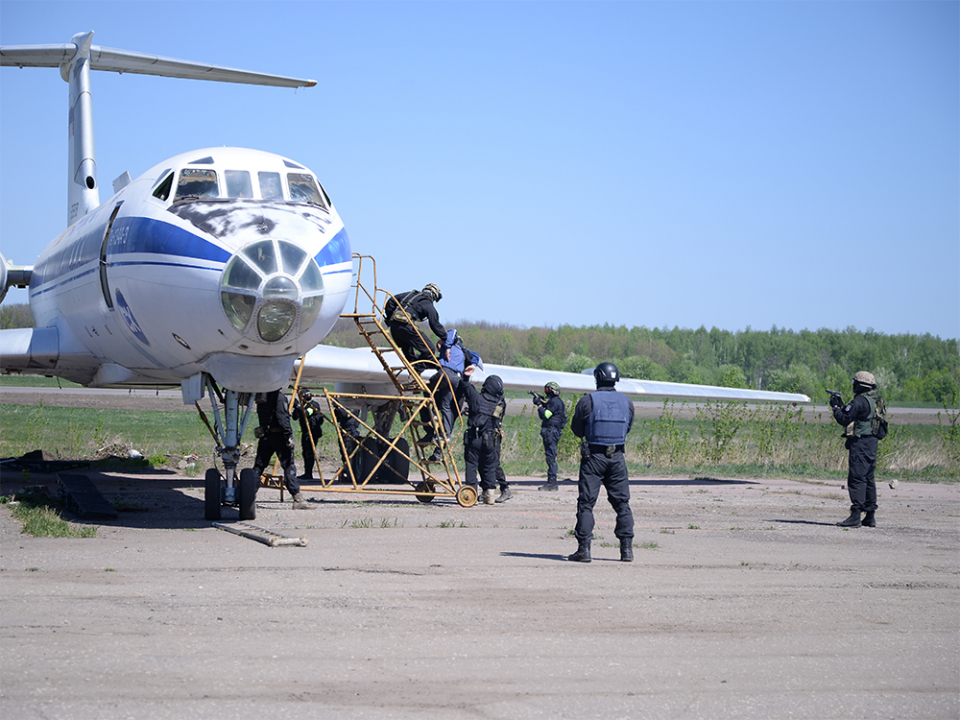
[
  {"x": 870, "y": 518},
  {"x": 852, "y": 521},
  {"x": 626, "y": 550},
  {"x": 582, "y": 554}
]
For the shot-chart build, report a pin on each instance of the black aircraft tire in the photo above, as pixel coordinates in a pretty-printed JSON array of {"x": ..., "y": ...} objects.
[
  {"x": 211, "y": 494},
  {"x": 247, "y": 494}
]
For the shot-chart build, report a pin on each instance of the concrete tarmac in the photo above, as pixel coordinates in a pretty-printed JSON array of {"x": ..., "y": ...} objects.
[{"x": 745, "y": 601}]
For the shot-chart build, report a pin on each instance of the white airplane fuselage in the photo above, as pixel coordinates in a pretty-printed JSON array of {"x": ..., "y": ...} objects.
[{"x": 227, "y": 261}]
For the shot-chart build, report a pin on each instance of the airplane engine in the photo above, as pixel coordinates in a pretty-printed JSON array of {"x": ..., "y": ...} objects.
[{"x": 12, "y": 276}]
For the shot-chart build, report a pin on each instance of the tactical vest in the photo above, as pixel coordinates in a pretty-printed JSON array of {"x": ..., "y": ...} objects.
[
  {"x": 558, "y": 415},
  {"x": 393, "y": 311},
  {"x": 607, "y": 424},
  {"x": 488, "y": 414},
  {"x": 864, "y": 428}
]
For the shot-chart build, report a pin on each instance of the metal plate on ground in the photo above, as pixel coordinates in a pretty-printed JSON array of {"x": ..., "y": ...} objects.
[
  {"x": 267, "y": 537},
  {"x": 82, "y": 498}
]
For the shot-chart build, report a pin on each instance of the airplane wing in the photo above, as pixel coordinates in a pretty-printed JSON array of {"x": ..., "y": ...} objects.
[
  {"x": 360, "y": 366},
  {"x": 126, "y": 61}
]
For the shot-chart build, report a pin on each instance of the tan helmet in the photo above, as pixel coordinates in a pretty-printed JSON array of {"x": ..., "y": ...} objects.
[
  {"x": 865, "y": 378},
  {"x": 433, "y": 290}
]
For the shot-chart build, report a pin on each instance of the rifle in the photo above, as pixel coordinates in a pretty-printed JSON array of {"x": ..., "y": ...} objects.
[{"x": 538, "y": 399}]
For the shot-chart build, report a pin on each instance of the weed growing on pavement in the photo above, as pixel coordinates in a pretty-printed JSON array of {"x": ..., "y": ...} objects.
[{"x": 39, "y": 516}]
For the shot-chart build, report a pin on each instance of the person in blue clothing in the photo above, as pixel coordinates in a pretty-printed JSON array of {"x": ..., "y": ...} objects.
[
  {"x": 602, "y": 419},
  {"x": 453, "y": 362}
]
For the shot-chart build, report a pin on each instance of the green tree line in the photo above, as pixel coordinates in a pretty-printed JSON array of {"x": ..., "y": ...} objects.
[{"x": 908, "y": 367}]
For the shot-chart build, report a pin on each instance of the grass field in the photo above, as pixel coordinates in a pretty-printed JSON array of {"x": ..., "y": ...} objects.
[{"x": 726, "y": 442}]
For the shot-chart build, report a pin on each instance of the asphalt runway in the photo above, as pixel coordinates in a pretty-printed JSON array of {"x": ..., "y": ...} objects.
[{"x": 745, "y": 601}]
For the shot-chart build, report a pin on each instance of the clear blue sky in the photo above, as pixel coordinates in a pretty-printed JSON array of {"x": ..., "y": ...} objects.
[{"x": 726, "y": 164}]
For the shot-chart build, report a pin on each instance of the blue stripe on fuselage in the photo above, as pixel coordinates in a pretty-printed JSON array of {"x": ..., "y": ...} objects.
[
  {"x": 146, "y": 235},
  {"x": 336, "y": 251}
]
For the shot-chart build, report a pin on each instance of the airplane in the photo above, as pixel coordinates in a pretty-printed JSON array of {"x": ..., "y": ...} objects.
[{"x": 214, "y": 270}]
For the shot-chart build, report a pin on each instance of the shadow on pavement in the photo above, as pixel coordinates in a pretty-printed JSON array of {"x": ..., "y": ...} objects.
[
  {"x": 803, "y": 522},
  {"x": 535, "y": 556}
]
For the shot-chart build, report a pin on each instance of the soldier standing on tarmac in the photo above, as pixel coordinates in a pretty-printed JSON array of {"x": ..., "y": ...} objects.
[
  {"x": 480, "y": 442},
  {"x": 276, "y": 436},
  {"x": 307, "y": 411},
  {"x": 553, "y": 416},
  {"x": 857, "y": 417},
  {"x": 603, "y": 419}
]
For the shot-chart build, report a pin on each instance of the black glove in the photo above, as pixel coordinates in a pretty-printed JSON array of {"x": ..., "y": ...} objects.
[{"x": 836, "y": 401}]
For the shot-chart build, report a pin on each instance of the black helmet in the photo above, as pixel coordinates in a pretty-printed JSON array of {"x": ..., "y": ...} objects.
[
  {"x": 493, "y": 385},
  {"x": 606, "y": 374}
]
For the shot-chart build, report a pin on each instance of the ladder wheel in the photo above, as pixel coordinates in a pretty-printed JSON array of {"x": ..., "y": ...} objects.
[
  {"x": 467, "y": 496},
  {"x": 425, "y": 487}
]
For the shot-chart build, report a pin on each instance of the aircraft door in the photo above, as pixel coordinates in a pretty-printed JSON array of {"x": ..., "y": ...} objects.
[{"x": 104, "y": 282}]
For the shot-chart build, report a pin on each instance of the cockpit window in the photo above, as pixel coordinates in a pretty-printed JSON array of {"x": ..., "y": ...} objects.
[
  {"x": 238, "y": 183},
  {"x": 292, "y": 258},
  {"x": 197, "y": 183},
  {"x": 303, "y": 188},
  {"x": 163, "y": 190},
  {"x": 263, "y": 256},
  {"x": 270, "y": 185}
]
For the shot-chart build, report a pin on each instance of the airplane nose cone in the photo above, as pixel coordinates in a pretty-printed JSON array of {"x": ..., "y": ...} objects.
[{"x": 267, "y": 287}]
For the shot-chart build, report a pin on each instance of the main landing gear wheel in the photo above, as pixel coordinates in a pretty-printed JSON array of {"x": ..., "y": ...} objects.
[
  {"x": 467, "y": 496},
  {"x": 247, "y": 494},
  {"x": 211, "y": 494},
  {"x": 425, "y": 487}
]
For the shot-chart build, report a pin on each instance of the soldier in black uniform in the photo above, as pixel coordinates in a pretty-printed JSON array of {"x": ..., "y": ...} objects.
[
  {"x": 350, "y": 425},
  {"x": 419, "y": 306},
  {"x": 857, "y": 417},
  {"x": 307, "y": 411},
  {"x": 553, "y": 416},
  {"x": 603, "y": 419},
  {"x": 480, "y": 442},
  {"x": 276, "y": 436}
]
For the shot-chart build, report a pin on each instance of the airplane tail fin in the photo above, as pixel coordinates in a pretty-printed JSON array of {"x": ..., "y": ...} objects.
[
  {"x": 76, "y": 59},
  {"x": 83, "y": 192}
]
